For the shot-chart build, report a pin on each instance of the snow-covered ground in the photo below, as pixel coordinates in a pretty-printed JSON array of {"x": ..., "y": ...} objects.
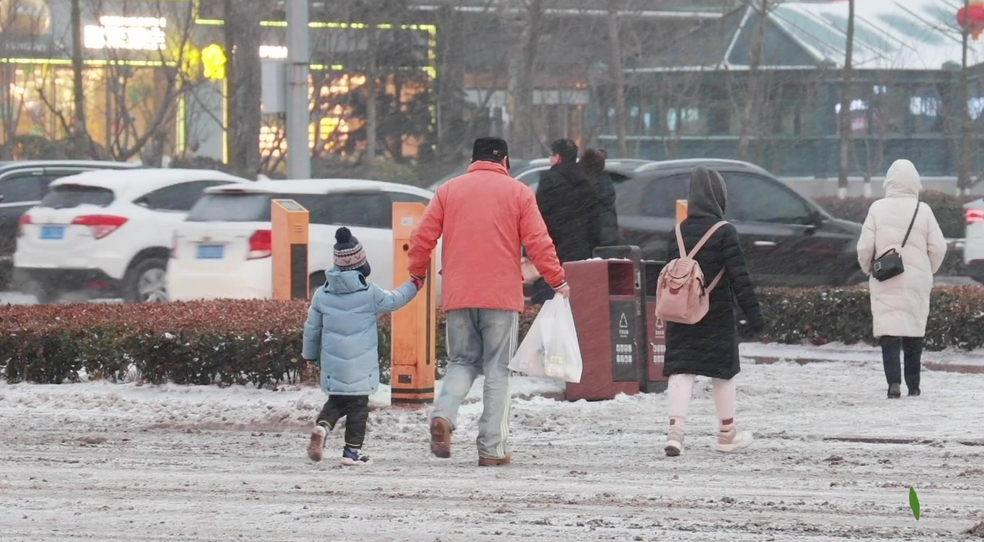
[{"x": 833, "y": 460}]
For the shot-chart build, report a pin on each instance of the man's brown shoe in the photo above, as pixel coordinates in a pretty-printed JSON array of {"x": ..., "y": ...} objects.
[
  {"x": 441, "y": 438},
  {"x": 494, "y": 461}
]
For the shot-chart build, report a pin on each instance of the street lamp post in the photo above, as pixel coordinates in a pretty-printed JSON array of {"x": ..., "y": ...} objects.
[{"x": 298, "y": 112}]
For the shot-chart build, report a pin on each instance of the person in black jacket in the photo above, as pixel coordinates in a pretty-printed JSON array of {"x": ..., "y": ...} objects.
[
  {"x": 570, "y": 207},
  {"x": 709, "y": 348},
  {"x": 593, "y": 162}
]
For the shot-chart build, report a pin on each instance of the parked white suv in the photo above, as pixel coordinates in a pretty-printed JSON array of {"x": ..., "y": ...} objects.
[
  {"x": 107, "y": 233},
  {"x": 222, "y": 249}
]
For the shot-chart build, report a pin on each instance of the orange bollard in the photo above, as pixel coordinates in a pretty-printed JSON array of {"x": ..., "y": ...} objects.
[
  {"x": 289, "y": 249},
  {"x": 681, "y": 210},
  {"x": 413, "y": 341}
]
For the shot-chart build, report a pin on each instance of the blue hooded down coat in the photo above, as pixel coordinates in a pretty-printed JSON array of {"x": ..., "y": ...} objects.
[{"x": 340, "y": 334}]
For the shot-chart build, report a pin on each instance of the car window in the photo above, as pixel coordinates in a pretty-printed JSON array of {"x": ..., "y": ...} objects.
[
  {"x": 531, "y": 176},
  {"x": 364, "y": 210},
  {"x": 232, "y": 207},
  {"x": 21, "y": 187},
  {"x": 73, "y": 195},
  {"x": 756, "y": 199},
  {"x": 627, "y": 197},
  {"x": 659, "y": 196},
  {"x": 178, "y": 197},
  {"x": 317, "y": 205}
]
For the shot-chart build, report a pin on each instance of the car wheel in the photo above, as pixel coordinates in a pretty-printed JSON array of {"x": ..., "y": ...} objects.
[
  {"x": 146, "y": 282},
  {"x": 316, "y": 281}
]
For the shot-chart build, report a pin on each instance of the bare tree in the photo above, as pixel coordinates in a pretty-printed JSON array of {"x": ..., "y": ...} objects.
[
  {"x": 966, "y": 152},
  {"x": 751, "y": 96},
  {"x": 372, "y": 102},
  {"x": 521, "y": 80},
  {"x": 617, "y": 74},
  {"x": 845, "y": 106},
  {"x": 242, "y": 38},
  {"x": 78, "y": 68}
]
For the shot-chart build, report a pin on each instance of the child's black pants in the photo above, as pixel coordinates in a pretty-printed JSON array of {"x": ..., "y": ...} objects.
[{"x": 355, "y": 409}]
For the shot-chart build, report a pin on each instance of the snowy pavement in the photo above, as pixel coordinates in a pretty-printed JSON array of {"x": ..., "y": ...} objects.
[{"x": 833, "y": 460}]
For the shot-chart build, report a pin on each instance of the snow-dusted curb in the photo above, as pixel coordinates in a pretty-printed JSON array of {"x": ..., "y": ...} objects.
[{"x": 949, "y": 360}]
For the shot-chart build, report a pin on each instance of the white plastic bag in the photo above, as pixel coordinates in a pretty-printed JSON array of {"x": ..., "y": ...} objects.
[{"x": 550, "y": 349}]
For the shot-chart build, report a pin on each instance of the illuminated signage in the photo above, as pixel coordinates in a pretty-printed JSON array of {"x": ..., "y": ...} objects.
[
  {"x": 128, "y": 33},
  {"x": 273, "y": 52}
]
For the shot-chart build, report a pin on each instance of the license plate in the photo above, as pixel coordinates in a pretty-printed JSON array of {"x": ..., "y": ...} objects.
[
  {"x": 52, "y": 232},
  {"x": 210, "y": 252}
]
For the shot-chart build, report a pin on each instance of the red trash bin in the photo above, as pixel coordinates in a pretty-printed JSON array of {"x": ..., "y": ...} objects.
[{"x": 605, "y": 301}]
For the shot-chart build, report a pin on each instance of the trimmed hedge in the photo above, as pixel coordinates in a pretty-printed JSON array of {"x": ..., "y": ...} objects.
[
  {"x": 212, "y": 342},
  {"x": 817, "y": 317},
  {"x": 259, "y": 342}
]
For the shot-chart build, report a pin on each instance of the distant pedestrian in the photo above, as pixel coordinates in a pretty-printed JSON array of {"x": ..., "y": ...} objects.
[
  {"x": 593, "y": 163},
  {"x": 900, "y": 305},
  {"x": 709, "y": 348},
  {"x": 485, "y": 217},
  {"x": 340, "y": 337},
  {"x": 571, "y": 209}
]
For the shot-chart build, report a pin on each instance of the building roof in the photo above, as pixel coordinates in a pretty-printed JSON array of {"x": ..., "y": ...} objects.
[{"x": 889, "y": 35}]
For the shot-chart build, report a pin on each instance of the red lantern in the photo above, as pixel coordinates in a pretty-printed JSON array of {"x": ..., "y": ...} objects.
[{"x": 971, "y": 18}]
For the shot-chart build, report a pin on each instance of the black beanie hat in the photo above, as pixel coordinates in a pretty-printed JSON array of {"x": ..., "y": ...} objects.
[
  {"x": 349, "y": 253},
  {"x": 492, "y": 149},
  {"x": 565, "y": 149}
]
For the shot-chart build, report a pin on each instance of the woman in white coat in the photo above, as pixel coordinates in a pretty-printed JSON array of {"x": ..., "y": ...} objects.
[{"x": 900, "y": 305}]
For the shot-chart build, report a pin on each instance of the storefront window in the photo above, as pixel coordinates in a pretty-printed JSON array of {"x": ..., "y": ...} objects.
[{"x": 121, "y": 103}]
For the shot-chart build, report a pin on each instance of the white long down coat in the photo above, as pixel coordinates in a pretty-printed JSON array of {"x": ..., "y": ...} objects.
[{"x": 900, "y": 305}]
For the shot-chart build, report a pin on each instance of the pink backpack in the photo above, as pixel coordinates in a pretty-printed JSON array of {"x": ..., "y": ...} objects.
[{"x": 681, "y": 295}]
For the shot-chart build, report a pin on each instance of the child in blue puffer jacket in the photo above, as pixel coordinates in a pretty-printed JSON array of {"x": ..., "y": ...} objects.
[{"x": 340, "y": 338}]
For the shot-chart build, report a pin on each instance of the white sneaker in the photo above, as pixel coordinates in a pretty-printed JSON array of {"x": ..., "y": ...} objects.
[
  {"x": 733, "y": 441},
  {"x": 316, "y": 446},
  {"x": 674, "y": 441}
]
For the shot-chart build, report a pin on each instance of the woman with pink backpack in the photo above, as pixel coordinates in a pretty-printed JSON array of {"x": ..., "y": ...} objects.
[{"x": 701, "y": 327}]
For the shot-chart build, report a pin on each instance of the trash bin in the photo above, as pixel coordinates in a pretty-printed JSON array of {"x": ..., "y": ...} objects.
[
  {"x": 655, "y": 330},
  {"x": 606, "y": 295}
]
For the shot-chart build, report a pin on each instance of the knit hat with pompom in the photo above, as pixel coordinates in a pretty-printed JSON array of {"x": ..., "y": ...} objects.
[{"x": 349, "y": 254}]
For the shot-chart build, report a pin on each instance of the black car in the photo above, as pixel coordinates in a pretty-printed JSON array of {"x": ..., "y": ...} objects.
[
  {"x": 22, "y": 185},
  {"x": 788, "y": 240}
]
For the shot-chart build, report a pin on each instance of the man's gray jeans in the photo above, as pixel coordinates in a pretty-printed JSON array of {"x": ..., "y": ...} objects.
[{"x": 480, "y": 341}]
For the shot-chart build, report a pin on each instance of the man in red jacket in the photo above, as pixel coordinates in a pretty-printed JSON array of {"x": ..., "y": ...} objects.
[{"x": 485, "y": 218}]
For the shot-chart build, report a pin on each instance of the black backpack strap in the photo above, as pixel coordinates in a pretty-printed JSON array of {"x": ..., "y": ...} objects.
[{"x": 909, "y": 231}]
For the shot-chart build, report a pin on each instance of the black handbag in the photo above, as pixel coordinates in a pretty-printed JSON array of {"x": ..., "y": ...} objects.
[{"x": 889, "y": 265}]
